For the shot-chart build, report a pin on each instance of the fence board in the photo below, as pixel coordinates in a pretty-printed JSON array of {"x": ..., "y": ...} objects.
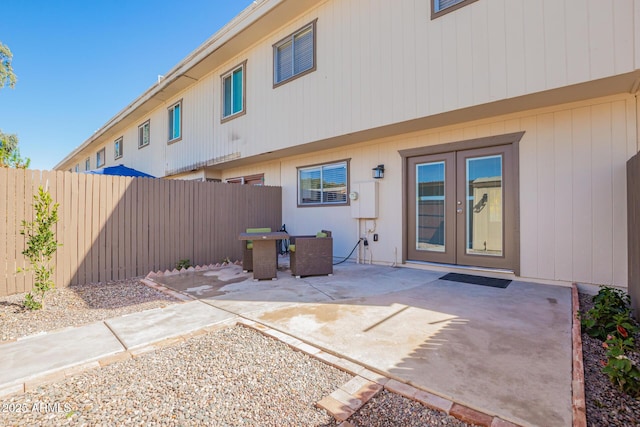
[
  {"x": 119, "y": 213},
  {"x": 11, "y": 234},
  {"x": 82, "y": 248},
  {"x": 4, "y": 230}
]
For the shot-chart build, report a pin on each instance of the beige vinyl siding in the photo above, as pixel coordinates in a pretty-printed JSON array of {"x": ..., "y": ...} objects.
[
  {"x": 572, "y": 188},
  {"x": 380, "y": 63}
]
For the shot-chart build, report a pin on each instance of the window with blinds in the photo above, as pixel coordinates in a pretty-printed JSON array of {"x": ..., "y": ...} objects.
[
  {"x": 294, "y": 55},
  {"x": 117, "y": 148},
  {"x": 323, "y": 184},
  {"x": 440, "y": 7},
  {"x": 144, "y": 134},
  {"x": 100, "y": 158},
  {"x": 233, "y": 92},
  {"x": 175, "y": 121}
]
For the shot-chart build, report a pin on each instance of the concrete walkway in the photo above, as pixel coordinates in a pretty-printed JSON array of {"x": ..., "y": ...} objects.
[{"x": 505, "y": 352}]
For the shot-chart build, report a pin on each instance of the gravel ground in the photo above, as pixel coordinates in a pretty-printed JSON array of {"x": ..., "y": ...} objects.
[
  {"x": 232, "y": 377},
  {"x": 389, "y": 409},
  {"x": 77, "y": 305},
  {"x": 606, "y": 406}
]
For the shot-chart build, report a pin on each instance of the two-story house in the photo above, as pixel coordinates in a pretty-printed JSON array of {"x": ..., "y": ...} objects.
[{"x": 501, "y": 127}]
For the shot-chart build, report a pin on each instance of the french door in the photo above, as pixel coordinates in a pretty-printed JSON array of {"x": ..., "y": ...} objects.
[{"x": 462, "y": 207}]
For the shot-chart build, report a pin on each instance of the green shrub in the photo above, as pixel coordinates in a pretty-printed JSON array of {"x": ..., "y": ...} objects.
[
  {"x": 610, "y": 321},
  {"x": 608, "y": 303},
  {"x": 183, "y": 264},
  {"x": 621, "y": 370},
  {"x": 41, "y": 245}
]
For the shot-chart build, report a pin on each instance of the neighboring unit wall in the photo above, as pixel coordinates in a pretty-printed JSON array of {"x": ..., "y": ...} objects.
[
  {"x": 633, "y": 194},
  {"x": 382, "y": 63},
  {"x": 572, "y": 189}
]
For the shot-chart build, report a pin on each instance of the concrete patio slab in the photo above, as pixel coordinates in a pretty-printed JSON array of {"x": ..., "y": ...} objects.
[
  {"x": 42, "y": 354},
  {"x": 146, "y": 327},
  {"x": 506, "y": 352}
]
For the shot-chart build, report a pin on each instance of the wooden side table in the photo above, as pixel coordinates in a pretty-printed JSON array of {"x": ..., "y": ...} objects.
[{"x": 265, "y": 257}]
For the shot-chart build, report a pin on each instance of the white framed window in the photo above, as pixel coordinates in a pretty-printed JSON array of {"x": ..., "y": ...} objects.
[
  {"x": 87, "y": 164},
  {"x": 233, "y": 86},
  {"x": 325, "y": 184},
  {"x": 100, "y": 158},
  {"x": 175, "y": 122},
  {"x": 295, "y": 55},
  {"x": 144, "y": 134},
  {"x": 117, "y": 148},
  {"x": 441, "y": 7},
  {"x": 77, "y": 168}
]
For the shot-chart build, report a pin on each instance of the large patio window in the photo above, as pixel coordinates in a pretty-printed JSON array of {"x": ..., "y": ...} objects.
[{"x": 323, "y": 184}]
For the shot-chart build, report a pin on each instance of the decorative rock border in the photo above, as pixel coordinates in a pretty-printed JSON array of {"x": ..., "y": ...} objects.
[
  {"x": 578, "y": 401},
  {"x": 149, "y": 279},
  {"x": 350, "y": 397}
]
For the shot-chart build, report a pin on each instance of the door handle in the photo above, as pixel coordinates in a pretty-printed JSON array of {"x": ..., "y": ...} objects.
[{"x": 459, "y": 210}]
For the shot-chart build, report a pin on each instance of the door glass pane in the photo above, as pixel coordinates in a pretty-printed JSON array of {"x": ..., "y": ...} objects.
[
  {"x": 430, "y": 207},
  {"x": 484, "y": 206}
]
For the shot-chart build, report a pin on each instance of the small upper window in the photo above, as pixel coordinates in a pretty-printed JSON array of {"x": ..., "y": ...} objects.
[
  {"x": 294, "y": 55},
  {"x": 233, "y": 92},
  {"x": 323, "y": 184},
  {"x": 441, "y": 7},
  {"x": 87, "y": 164},
  {"x": 77, "y": 168},
  {"x": 144, "y": 134},
  {"x": 175, "y": 121},
  {"x": 100, "y": 158},
  {"x": 117, "y": 148}
]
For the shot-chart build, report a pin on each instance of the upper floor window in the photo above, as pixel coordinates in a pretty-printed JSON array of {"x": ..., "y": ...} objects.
[
  {"x": 233, "y": 84},
  {"x": 144, "y": 132},
  {"x": 175, "y": 121},
  {"x": 87, "y": 164},
  {"x": 323, "y": 184},
  {"x": 117, "y": 148},
  {"x": 100, "y": 158},
  {"x": 77, "y": 168},
  {"x": 441, "y": 7},
  {"x": 295, "y": 55}
]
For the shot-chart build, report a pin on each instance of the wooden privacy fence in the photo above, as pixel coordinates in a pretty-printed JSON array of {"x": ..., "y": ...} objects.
[
  {"x": 114, "y": 228},
  {"x": 633, "y": 232}
]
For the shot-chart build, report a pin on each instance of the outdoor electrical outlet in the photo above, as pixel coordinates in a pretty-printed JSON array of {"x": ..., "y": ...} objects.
[
  {"x": 375, "y": 237},
  {"x": 366, "y": 242}
]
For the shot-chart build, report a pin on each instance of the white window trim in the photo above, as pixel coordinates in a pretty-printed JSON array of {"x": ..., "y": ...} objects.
[
  {"x": 243, "y": 111},
  {"x": 118, "y": 143},
  {"x": 100, "y": 155},
  {"x": 291, "y": 38},
  {"x": 320, "y": 167},
  {"x": 170, "y": 131},
  {"x": 141, "y": 144}
]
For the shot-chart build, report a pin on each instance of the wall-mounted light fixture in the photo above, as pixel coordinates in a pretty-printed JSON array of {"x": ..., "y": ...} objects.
[{"x": 378, "y": 172}]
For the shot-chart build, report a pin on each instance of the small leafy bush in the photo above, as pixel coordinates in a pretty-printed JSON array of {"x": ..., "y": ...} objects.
[
  {"x": 41, "y": 245},
  {"x": 601, "y": 319},
  {"x": 622, "y": 371},
  {"x": 183, "y": 264},
  {"x": 610, "y": 321}
]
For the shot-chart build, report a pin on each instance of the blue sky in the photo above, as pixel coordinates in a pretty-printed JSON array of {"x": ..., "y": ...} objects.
[{"x": 80, "y": 62}]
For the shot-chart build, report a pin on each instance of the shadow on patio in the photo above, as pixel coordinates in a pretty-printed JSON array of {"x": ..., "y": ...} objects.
[{"x": 506, "y": 352}]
